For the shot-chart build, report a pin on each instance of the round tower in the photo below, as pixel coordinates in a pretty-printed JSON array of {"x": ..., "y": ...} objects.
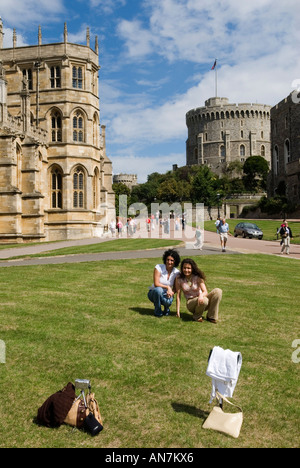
[{"x": 220, "y": 133}]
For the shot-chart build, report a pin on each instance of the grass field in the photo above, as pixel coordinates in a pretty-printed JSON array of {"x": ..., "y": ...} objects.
[{"x": 93, "y": 320}]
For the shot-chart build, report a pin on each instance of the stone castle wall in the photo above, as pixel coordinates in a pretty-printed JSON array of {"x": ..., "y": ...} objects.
[
  {"x": 220, "y": 133},
  {"x": 56, "y": 179}
]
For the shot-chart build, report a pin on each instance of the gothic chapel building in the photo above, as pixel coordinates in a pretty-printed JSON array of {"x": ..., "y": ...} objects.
[{"x": 55, "y": 177}]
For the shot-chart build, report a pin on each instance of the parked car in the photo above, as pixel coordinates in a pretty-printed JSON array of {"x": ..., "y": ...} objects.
[{"x": 248, "y": 230}]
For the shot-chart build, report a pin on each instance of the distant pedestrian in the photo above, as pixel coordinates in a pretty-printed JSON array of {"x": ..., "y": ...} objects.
[
  {"x": 278, "y": 230},
  {"x": 198, "y": 237},
  {"x": 119, "y": 227},
  {"x": 112, "y": 227},
  {"x": 286, "y": 236},
  {"x": 157, "y": 217},
  {"x": 224, "y": 231}
]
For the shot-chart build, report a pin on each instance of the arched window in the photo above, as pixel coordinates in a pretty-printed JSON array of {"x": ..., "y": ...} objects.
[
  {"x": 286, "y": 151},
  {"x": 19, "y": 167},
  {"x": 78, "y": 188},
  {"x": 263, "y": 150},
  {"x": 28, "y": 74},
  {"x": 276, "y": 160},
  {"x": 56, "y": 188},
  {"x": 78, "y": 127},
  {"x": 96, "y": 198},
  {"x": 56, "y": 126},
  {"x": 242, "y": 150},
  {"x": 96, "y": 132}
]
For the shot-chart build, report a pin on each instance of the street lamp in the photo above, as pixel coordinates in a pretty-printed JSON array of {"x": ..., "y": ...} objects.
[{"x": 218, "y": 195}]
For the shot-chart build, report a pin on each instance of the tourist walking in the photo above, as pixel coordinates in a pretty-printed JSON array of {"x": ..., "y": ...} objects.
[
  {"x": 198, "y": 237},
  {"x": 286, "y": 236},
  {"x": 224, "y": 231}
]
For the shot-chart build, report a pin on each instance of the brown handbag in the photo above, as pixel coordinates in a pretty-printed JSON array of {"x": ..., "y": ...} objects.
[
  {"x": 78, "y": 412},
  {"x": 94, "y": 407}
]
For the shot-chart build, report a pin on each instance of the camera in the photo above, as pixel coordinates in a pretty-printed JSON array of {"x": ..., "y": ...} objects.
[
  {"x": 82, "y": 384},
  {"x": 91, "y": 424}
]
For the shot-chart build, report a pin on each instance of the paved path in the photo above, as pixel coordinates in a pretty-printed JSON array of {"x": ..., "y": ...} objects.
[
  {"x": 211, "y": 247},
  {"x": 253, "y": 245}
]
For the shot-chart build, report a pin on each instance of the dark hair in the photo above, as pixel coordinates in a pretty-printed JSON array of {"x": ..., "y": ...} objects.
[
  {"x": 195, "y": 269},
  {"x": 172, "y": 253}
]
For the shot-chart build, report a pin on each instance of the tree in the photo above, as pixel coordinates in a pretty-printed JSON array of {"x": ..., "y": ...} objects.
[
  {"x": 121, "y": 189},
  {"x": 147, "y": 192},
  {"x": 204, "y": 187},
  {"x": 256, "y": 170},
  {"x": 173, "y": 190}
]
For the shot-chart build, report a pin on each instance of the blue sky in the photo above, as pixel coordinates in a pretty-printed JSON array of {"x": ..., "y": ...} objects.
[{"x": 156, "y": 59}]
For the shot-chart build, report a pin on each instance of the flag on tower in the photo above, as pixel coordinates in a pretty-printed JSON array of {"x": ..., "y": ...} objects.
[{"x": 214, "y": 65}]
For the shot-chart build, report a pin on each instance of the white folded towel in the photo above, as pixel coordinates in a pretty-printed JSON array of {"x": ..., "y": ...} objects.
[{"x": 223, "y": 367}]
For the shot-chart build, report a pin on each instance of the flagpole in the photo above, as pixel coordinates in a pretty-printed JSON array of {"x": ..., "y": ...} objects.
[
  {"x": 216, "y": 77},
  {"x": 214, "y": 67}
]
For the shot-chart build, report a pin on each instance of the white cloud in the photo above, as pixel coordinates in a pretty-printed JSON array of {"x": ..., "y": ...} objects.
[
  {"x": 198, "y": 31},
  {"x": 139, "y": 42},
  {"x": 8, "y": 39},
  {"x": 21, "y": 13},
  {"x": 79, "y": 37},
  {"x": 107, "y": 6}
]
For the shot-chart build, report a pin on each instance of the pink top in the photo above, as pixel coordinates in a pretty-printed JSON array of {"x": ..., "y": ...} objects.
[{"x": 190, "y": 288}]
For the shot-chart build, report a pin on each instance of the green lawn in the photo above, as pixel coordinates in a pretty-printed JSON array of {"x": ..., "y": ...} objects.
[
  {"x": 93, "y": 320},
  {"x": 114, "y": 245}
]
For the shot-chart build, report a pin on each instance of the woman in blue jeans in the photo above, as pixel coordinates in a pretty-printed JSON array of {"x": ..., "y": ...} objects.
[{"x": 161, "y": 293}]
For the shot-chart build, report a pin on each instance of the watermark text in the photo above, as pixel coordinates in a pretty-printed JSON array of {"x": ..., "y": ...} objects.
[
  {"x": 163, "y": 220},
  {"x": 296, "y": 353},
  {"x": 2, "y": 352}
]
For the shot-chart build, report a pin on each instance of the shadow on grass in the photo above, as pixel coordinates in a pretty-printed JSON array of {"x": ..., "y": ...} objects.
[
  {"x": 149, "y": 311},
  {"x": 183, "y": 408},
  {"x": 142, "y": 310}
]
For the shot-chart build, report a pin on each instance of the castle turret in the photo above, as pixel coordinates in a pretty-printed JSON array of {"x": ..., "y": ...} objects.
[
  {"x": 40, "y": 36},
  {"x": 25, "y": 105},
  {"x": 220, "y": 133},
  {"x": 14, "y": 38},
  {"x": 65, "y": 33},
  {"x": 1, "y": 33},
  {"x": 3, "y": 95},
  {"x": 88, "y": 37}
]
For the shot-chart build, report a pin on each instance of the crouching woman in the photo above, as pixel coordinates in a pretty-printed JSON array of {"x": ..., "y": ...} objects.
[
  {"x": 161, "y": 293},
  {"x": 191, "y": 282}
]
